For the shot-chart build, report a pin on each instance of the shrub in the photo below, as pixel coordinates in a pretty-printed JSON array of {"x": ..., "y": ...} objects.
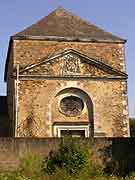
[
  {"x": 71, "y": 156},
  {"x": 72, "y": 161},
  {"x": 132, "y": 127}
]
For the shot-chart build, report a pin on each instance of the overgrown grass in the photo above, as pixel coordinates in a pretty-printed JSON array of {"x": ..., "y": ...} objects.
[{"x": 72, "y": 161}]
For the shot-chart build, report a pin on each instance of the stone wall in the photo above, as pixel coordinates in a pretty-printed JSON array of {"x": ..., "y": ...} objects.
[
  {"x": 11, "y": 92},
  {"x": 11, "y": 150},
  {"x": 37, "y": 101},
  {"x": 31, "y": 51},
  {"x": 120, "y": 150}
]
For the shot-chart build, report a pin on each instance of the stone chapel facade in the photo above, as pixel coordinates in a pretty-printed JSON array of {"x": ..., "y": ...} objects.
[{"x": 66, "y": 76}]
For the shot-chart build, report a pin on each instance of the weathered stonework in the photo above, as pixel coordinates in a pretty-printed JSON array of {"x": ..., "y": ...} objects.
[
  {"x": 112, "y": 124},
  {"x": 32, "y": 51},
  {"x": 50, "y": 71}
]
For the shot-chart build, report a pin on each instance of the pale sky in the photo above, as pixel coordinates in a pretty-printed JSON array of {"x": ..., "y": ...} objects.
[{"x": 116, "y": 16}]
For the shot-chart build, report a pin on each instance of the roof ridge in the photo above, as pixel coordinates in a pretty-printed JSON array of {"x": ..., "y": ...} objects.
[
  {"x": 70, "y": 25},
  {"x": 42, "y": 18},
  {"x": 86, "y": 21}
]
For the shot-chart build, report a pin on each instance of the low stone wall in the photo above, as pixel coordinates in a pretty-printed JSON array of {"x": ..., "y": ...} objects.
[
  {"x": 118, "y": 149},
  {"x": 11, "y": 149}
]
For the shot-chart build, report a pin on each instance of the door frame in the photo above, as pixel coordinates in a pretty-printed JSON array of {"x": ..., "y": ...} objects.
[{"x": 58, "y": 128}]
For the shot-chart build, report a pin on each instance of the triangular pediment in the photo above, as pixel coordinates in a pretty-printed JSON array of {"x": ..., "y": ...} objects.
[{"x": 71, "y": 63}]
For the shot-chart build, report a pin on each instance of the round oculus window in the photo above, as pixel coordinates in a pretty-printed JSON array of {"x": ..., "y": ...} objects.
[{"x": 71, "y": 106}]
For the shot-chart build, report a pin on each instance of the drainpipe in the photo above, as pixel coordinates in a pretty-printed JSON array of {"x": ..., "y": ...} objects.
[{"x": 17, "y": 82}]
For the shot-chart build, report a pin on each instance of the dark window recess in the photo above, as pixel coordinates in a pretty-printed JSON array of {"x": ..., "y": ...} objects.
[
  {"x": 73, "y": 133},
  {"x": 71, "y": 106}
]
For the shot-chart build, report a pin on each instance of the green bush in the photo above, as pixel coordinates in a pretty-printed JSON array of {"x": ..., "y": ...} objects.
[
  {"x": 132, "y": 127},
  {"x": 71, "y": 156},
  {"x": 71, "y": 161}
]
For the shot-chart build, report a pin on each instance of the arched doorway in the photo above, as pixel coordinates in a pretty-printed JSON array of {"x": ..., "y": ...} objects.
[{"x": 73, "y": 102}]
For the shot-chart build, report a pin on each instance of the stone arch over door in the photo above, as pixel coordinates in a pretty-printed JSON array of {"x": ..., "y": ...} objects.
[{"x": 79, "y": 93}]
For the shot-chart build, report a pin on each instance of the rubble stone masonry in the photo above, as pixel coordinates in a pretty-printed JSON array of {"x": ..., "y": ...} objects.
[{"x": 38, "y": 107}]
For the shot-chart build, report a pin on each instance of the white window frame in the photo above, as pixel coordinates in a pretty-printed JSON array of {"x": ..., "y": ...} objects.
[{"x": 58, "y": 128}]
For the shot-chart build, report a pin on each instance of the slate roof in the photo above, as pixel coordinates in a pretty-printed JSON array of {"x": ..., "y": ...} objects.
[{"x": 62, "y": 24}]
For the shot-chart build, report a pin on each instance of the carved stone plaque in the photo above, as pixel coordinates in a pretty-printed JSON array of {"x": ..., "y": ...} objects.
[{"x": 71, "y": 64}]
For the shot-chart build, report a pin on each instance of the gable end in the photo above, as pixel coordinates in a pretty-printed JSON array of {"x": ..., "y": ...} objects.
[{"x": 71, "y": 63}]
